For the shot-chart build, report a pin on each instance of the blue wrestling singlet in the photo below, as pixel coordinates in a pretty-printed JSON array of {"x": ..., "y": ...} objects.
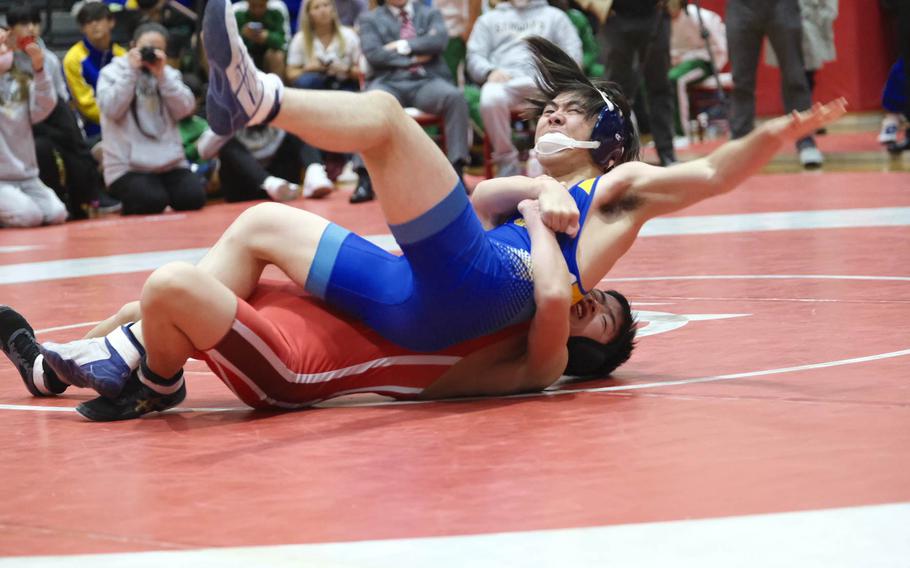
[
  {"x": 513, "y": 232},
  {"x": 453, "y": 282}
]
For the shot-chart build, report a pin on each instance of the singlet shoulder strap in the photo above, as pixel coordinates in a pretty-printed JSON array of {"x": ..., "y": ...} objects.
[{"x": 589, "y": 185}]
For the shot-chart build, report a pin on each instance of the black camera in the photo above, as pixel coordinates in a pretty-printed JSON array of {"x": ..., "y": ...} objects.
[{"x": 148, "y": 54}]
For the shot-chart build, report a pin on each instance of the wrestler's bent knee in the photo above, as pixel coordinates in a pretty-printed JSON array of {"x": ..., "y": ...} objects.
[{"x": 174, "y": 284}]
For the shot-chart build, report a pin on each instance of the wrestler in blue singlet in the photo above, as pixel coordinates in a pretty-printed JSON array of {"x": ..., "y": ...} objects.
[{"x": 453, "y": 282}]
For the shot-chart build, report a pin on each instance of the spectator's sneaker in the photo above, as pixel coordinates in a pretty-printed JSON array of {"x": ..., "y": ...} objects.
[
  {"x": 239, "y": 94},
  {"x": 890, "y": 128},
  {"x": 103, "y": 363},
  {"x": 811, "y": 157},
  {"x": 107, "y": 204},
  {"x": 280, "y": 189},
  {"x": 316, "y": 182},
  {"x": 896, "y": 147},
  {"x": 135, "y": 400},
  {"x": 17, "y": 339}
]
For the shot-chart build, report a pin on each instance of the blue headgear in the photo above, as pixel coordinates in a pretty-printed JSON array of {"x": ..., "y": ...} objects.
[{"x": 609, "y": 130}]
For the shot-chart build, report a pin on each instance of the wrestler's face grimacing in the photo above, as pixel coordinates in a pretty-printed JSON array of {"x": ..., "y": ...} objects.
[
  {"x": 565, "y": 114},
  {"x": 598, "y": 316}
]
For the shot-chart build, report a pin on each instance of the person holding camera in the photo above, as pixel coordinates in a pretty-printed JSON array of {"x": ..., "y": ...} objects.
[
  {"x": 25, "y": 98},
  {"x": 141, "y": 100}
]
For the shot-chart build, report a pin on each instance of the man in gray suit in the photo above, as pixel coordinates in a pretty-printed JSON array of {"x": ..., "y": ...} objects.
[{"x": 402, "y": 41}]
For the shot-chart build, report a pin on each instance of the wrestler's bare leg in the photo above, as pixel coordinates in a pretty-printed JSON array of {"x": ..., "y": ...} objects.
[
  {"x": 171, "y": 328},
  {"x": 268, "y": 233},
  {"x": 167, "y": 318},
  {"x": 410, "y": 173}
]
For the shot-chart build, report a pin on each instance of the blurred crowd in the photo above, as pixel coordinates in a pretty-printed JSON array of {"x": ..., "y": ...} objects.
[{"x": 117, "y": 124}]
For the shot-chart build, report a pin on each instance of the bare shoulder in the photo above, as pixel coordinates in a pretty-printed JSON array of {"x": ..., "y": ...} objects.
[{"x": 632, "y": 172}]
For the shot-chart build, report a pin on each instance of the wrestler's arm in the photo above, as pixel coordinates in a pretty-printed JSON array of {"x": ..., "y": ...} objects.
[
  {"x": 545, "y": 357},
  {"x": 658, "y": 191},
  {"x": 496, "y": 198}
]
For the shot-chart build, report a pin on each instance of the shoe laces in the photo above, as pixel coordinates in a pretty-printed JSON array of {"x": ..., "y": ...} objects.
[{"x": 18, "y": 354}]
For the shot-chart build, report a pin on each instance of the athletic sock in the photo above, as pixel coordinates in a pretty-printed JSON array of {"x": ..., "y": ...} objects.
[
  {"x": 126, "y": 344},
  {"x": 272, "y": 94},
  {"x": 158, "y": 383}
]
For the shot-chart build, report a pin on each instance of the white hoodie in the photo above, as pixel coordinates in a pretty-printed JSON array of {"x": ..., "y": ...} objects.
[{"x": 496, "y": 41}]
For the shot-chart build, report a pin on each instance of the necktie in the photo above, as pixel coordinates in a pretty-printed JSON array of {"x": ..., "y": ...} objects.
[
  {"x": 407, "y": 26},
  {"x": 408, "y": 32}
]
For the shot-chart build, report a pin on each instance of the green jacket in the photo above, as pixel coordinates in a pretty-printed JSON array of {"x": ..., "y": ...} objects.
[
  {"x": 191, "y": 128},
  {"x": 590, "y": 50},
  {"x": 273, "y": 22}
]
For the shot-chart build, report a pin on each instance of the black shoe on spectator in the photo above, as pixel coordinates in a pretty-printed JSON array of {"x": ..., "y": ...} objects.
[
  {"x": 896, "y": 147},
  {"x": 107, "y": 204},
  {"x": 458, "y": 166},
  {"x": 364, "y": 191},
  {"x": 667, "y": 158}
]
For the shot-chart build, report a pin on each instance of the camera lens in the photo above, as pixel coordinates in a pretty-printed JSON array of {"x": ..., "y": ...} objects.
[{"x": 148, "y": 54}]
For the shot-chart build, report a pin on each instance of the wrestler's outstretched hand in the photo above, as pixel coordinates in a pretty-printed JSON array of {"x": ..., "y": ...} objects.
[
  {"x": 798, "y": 125},
  {"x": 558, "y": 210}
]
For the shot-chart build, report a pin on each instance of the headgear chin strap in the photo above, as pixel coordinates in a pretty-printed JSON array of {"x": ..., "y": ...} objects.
[{"x": 609, "y": 131}]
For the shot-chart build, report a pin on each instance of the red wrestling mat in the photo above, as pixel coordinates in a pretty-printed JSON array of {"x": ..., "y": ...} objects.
[{"x": 771, "y": 377}]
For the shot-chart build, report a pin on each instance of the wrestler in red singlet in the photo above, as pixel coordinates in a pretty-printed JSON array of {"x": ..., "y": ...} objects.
[{"x": 287, "y": 349}]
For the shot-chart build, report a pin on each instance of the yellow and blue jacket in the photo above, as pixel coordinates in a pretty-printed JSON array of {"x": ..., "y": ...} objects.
[{"x": 82, "y": 65}]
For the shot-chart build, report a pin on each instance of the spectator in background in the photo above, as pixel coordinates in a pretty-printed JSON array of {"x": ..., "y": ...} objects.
[
  {"x": 24, "y": 23},
  {"x": 818, "y": 37},
  {"x": 24, "y": 200},
  {"x": 279, "y": 156},
  {"x": 403, "y": 42},
  {"x": 141, "y": 100},
  {"x": 242, "y": 177},
  {"x": 323, "y": 53},
  {"x": 689, "y": 57},
  {"x": 896, "y": 95},
  {"x": 459, "y": 16},
  {"x": 263, "y": 30},
  {"x": 748, "y": 22},
  {"x": 83, "y": 62},
  {"x": 499, "y": 60},
  {"x": 894, "y": 102},
  {"x": 590, "y": 49},
  {"x": 636, "y": 46},
  {"x": 58, "y": 137},
  {"x": 176, "y": 20}
]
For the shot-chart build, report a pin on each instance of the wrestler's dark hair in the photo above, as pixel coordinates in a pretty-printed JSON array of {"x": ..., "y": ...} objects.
[
  {"x": 23, "y": 14},
  {"x": 557, "y": 73},
  {"x": 151, "y": 27},
  {"x": 592, "y": 359},
  {"x": 92, "y": 12}
]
